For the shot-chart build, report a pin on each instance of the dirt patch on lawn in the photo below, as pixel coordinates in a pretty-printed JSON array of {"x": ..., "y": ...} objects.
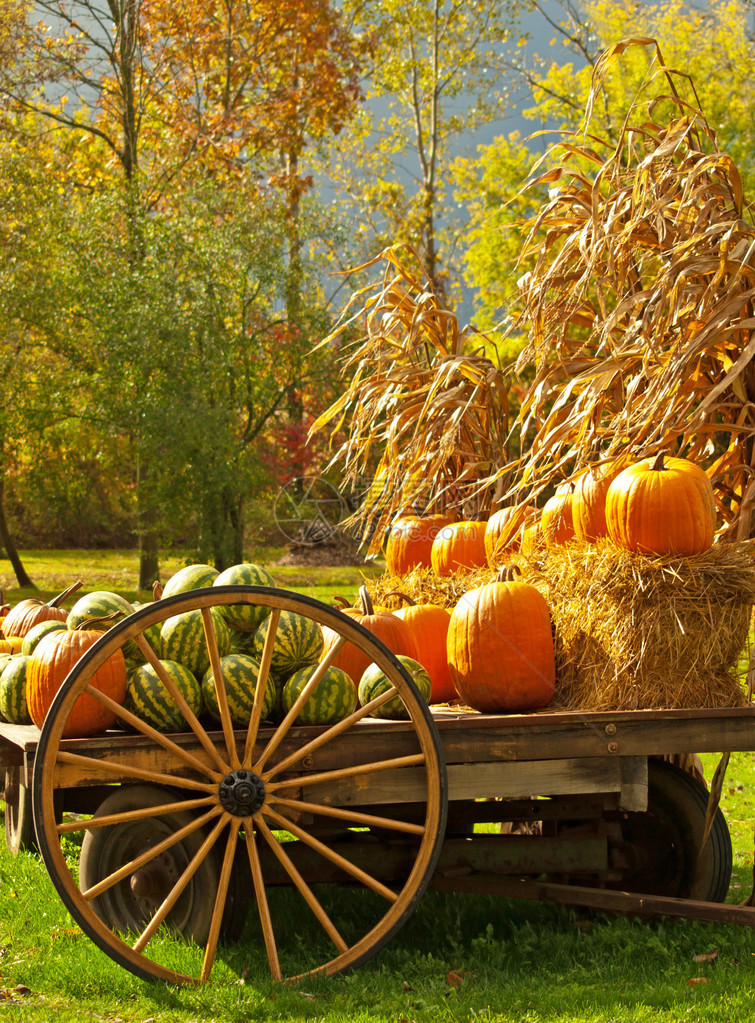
[{"x": 337, "y": 549}]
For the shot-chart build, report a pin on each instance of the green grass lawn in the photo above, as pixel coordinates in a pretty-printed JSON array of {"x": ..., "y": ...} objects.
[
  {"x": 459, "y": 958},
  {"x": 52, "y": 571}
]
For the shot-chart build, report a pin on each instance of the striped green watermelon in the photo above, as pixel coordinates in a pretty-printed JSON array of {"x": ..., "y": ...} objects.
[
  {"x": 13, "y": 705},
  {"x": 374, "y": 682},
  {"x": 242, "y": 642},
  {"x": 298, "y": 642},
  {"x": 245, "y": 617},
  {"x": 191, "y": 577},
  {"x": 99, "y": 604},
  {"x": 240, "y": 673},
  {"x": 182, "y": 639},
  {"x": 37, "y": 632},
  {"x": 333, "y": 699},
  {"x": 148, "y": 698}
]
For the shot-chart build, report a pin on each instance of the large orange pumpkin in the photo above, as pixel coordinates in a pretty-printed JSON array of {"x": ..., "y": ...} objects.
[
  {"x": 53, "y": 658},
  {"x": 429, "y": 624},
  {"x": 662, "y": 506},
  {"x": 410, "y": 542},
  {"x": 459, "y": 546},
  {"x": 500, "y": 647},
  {"x": 383, "y": 624},
  {"x": 30, "y": 612}
]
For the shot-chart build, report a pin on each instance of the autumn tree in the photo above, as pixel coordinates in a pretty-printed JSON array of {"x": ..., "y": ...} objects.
[{"x": 159, "y": 98}]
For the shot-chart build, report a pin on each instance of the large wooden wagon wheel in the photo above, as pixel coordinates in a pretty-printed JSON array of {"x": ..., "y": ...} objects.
[{"x": 195, "y": 818}]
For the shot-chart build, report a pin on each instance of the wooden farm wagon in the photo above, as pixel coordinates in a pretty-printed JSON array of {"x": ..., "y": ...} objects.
[{"x": 142, "y": 831}]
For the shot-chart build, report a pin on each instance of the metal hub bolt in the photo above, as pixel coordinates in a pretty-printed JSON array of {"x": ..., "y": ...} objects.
[{"x": 241, "y": 793}]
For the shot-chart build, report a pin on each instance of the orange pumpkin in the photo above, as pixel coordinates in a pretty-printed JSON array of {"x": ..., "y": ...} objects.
[
  {"x": 30, "y": 612},
  {"x": 459, "y": 546},
  {"x": 556, "y": 519},
  {"x": 429, "y": 624},
  {"x": 662, "y": 506},
  {"x": 51, "y": 661},
  {"x": 503, "y": 532},
  {"x": 410, "y": 542},
  {"x": 500, "y": 647},
  {"x": 588, "y": 503},
  {"x": 383, "y": 624}
]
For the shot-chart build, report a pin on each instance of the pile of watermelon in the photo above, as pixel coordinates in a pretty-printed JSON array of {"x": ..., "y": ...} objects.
[{"x": 180, "y": 645}]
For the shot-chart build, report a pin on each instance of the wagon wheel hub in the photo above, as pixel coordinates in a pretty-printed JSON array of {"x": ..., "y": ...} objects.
[{"x": 242, "y": 793}]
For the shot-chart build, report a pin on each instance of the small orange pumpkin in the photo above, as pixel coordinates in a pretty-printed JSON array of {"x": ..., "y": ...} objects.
[
  {"x": 383, "y": 624},
  {"x": 30, "y": 612},
  {"x": 429, "y": 624},
  {"x": 588, "y": 503},
  {"x": 410, "y": 542},
  {"x": 503, "y": 532},
  {"x": 459, "y": 546},
  {"x": 53, "y": 658},
  {"x": 662, "y": 506},
  {"x": 556, "y": 520},
  {"x": 500, "y": 647}
]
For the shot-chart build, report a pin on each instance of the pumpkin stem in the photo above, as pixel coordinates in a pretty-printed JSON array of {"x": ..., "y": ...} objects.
[
  {"x": 341, "y": 601},
  {"x": 658, "y": 465},
  {"x": 57, "y": 601},
  {"x": 89, "y": 623},
  {"x": 402, "y": 596},
  {"x": 157, "y": 590},
  {"x": 364, "y": 596},
  {"x": 507, "y": 573}
]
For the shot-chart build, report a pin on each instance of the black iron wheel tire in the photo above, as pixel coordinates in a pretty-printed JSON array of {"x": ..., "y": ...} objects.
[
  {"x": 664, "y": 843},
  {"x": 127, "y": 906}
]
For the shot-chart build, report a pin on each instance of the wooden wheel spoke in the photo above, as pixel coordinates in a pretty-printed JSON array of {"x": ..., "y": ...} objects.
[
  {"x": 172, "y": 898},
  {"x": 94, "y": 766},
  {"x": 288, "y": 720},
  {"x": 217, "y": 672},
  {"x": 263, "y": 905},
  {"x": 305, "y": 891},
  {"x": 145, "y": 813},
  {"x": 150, "y": 854},
  {"x": 413, "y": 760},
  {"x": 340, "y": 861},
  {"x": 188, "y": 714},
  {"x": 367, "y": 820},
  {"x": 261, "y": 687},
  {"x": 152, "y": 733},
  {"x": 330, "y": 733},
  {"x": 220, "y": 899}
]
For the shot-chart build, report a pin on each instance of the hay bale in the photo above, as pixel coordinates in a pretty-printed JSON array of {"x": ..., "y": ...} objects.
[
  {"x": 638, "y": 632},
  {"x": 631, "y": 632}
]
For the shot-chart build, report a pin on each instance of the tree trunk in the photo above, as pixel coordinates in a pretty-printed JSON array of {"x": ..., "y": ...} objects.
[{"x": 10, "y": 548}]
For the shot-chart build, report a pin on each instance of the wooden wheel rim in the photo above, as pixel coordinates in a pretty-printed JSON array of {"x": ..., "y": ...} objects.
[{"x": 48, "y": 752}]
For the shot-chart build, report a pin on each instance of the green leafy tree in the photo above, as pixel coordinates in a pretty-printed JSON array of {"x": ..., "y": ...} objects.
[{"x": 438, "y": 73}]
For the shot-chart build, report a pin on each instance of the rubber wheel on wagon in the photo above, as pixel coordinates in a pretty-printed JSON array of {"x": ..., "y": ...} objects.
[
  {"x": 302, "y": 810},
  {"x": 664, "y": 843}
]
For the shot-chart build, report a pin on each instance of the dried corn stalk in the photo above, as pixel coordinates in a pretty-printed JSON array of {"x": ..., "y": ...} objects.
[
  {"x": 426, "y": 418},
  {"x": 639, "y": 309}
]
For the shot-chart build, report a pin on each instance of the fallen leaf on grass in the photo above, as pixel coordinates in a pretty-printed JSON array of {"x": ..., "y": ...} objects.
[
  {"x": 697, "y": 980},
  {"x": 23, "y": 990},
  {"x": 406, "y": 986},
  {"x": 455, "y": 978},
  {"x": 705, "y": 957}
]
